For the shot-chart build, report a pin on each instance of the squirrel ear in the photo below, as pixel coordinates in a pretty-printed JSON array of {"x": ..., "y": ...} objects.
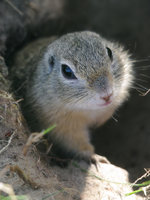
[
  {"x": 51, "y": 62},
  {"x": 109, "y": 52}
]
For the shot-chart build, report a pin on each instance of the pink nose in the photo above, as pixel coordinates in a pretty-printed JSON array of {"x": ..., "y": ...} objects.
[{"x": 107, "y": 97}]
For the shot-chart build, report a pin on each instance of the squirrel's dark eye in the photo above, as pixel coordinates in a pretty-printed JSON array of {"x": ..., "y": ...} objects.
[
  {"x": 109, "y": 53},
  {"x": 67, "y": 72}
]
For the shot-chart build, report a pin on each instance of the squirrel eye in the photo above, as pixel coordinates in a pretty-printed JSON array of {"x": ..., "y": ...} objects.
[
  {"x": 109, "y": 53},
  {"x": 67, "y": 72}
]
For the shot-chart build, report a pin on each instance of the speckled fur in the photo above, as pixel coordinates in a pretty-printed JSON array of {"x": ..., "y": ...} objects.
[{"x": 72, "y": 105}]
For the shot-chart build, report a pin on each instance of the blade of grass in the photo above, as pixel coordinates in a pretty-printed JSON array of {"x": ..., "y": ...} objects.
[
  {"x": 49, "y": 129},
  {"x": 21, "y": 197}
]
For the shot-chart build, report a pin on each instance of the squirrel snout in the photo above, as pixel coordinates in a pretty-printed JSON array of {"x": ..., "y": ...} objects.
[{"x": 107, "y": 97}]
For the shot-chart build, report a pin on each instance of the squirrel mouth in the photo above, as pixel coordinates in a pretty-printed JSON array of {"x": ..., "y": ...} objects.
[{"x": 106, "y": 103}]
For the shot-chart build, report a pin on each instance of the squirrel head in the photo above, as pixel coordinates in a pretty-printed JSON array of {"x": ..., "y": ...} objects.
[{"x": 82, "y": 70}]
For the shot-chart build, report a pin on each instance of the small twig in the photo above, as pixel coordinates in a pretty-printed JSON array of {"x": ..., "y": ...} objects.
[
  {"x": 147, "y": 171},
  {"x": 143, "y": 176},
  {"x": 16, "y": 169},
  {"x": 9, "y": 141},
  {"x": 49, "y": 149},
  {"x": 145, "y": 189},
  {"x": 18, "y": 101},
  {"x": 24, "y": 176},
  {"x": 14, "y": 7},
  {"x": 36, "y": 137}
]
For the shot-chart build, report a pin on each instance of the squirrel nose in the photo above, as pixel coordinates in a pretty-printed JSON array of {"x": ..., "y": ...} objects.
[{"x": 107, "y": 97}]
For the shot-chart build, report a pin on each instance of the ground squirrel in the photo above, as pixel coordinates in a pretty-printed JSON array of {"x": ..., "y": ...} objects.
[{"x": 75, "y": 81}]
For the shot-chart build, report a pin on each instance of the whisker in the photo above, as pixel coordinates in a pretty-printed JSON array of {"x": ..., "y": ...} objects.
[
  {"x": 78, "y": 98},
  {"x": 141, "y": 93},
  {"x": 144, "y": 94},
  {"x": 144, "y": 75},
  {"x": 142, "y": 80},
  {"x": 143, "y": 67},
  {"x": 138, "y": 89},
  {"x": 141, "y": 60},
  {"x": 114, "y": 118},
  {"x": 20, "y": 87},
  {"x": 82, "y": 97},
  {"x": 141, "y": 89},
  {"x": 141, "y": 86}
]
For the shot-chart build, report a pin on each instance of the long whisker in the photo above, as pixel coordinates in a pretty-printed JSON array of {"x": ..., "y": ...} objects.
[
  {"x": 143, "y": 67},
  {"x": 139, "y": 89},
  {"x": 141, "y": 86},
  {"x": 78, "y": 98},
  {"x": 144, "y": 94},
  {"x": 144, "y": 75},
  {"x": 116, "y": 120},
  {"x": 141, "y": 60},
  {"x": 142, "y": 80},
  {"x": 140, "y": 92},
  {"x": 81, "y": 98}
]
